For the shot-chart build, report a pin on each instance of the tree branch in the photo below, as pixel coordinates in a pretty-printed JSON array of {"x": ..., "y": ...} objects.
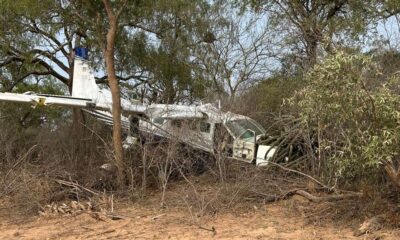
[
  {"x": 35, "y": 29},
  {"x": 104, "y": 78}
]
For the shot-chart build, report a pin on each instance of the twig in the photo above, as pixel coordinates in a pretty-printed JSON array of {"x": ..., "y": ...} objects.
[
  {"x": 20, "y": 160},
  {"x": 158, "y": 216},
  {"x": 76, "y": 186},
  {"x": 101, "y": 139},
  {"x": 112, "y": 202},
  {"x": 300, "y": 173},
  {"x": 87, "y": 228},
  {"x": 210, "y": 230},
  {"x": 108, "y": 231},
  {"x": 308, "y": 196},
  {"x": 116, "y": 216},
  {"x": 268, "y": 197}
]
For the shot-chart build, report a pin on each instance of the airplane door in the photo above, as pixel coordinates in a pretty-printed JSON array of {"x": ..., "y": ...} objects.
[{"x": 244, "y": 147}]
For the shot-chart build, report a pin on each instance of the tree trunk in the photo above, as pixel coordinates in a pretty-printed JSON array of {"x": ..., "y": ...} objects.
[
  {"x": 394, "y": 174},
  {"x": 78, "y": 119},
  {"x": 116, "y": 96},
  {"x": 312, "y": 47}
]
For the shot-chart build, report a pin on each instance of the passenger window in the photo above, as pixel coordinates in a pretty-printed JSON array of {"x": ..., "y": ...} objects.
[
  {"x": 205, "y": 127},
  {"x": 158, "y": 121},
  {"x": 193, "y": 125},
  {"x": 177, "y": 123}
]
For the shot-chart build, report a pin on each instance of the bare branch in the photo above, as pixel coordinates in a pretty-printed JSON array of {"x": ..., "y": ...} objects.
[{"x": 104, "y": 78}]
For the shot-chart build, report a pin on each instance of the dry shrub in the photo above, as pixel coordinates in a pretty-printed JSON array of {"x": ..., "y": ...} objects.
[
  {"x": 30, "y": 191},
  {"x": 163, "y": 161},
  {"x": 32, "y": 158},
  {"x": 23, "y": 181},
  {"x": 243, "y": 187}
]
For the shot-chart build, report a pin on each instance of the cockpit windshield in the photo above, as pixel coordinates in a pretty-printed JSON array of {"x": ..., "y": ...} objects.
[{"x": 239, "y": 127}]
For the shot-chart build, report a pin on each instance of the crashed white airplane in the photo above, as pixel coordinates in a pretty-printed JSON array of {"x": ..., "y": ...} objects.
[{"x": 198, "y": 126}]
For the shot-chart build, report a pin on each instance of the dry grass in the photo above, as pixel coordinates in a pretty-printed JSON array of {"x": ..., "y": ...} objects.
[{"x": 32, "y": 159}]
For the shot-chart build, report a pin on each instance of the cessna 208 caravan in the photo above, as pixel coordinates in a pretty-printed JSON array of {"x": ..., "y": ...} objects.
[{"x": 197, "y": 126}]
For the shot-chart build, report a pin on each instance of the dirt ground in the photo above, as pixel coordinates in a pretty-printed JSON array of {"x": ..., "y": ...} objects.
[
  {"x": 270, "y": 221},
  {"x": 292, "y": 218}
]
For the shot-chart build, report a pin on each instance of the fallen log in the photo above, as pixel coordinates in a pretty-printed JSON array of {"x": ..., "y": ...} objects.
[{"x": 328, "y": 198}]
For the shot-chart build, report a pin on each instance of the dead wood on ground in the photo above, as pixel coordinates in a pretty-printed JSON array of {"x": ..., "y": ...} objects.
[{"x": 308, "y": 196}]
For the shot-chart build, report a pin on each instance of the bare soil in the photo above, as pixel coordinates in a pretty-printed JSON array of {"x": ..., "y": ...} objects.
[
  {"x": 269, "y": 223},
  {"x": 293, "y": 218}
]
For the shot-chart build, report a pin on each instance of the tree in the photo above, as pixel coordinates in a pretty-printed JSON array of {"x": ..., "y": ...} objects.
[
  {"x": 109, "y": 52},
  {"x": 239, "y": 51},
  {"x": 103, "y": 17},
  {"x": 38, "y": 35},
  {"x": 179, "y": 27},
  {"x": 311, "y": 27}
]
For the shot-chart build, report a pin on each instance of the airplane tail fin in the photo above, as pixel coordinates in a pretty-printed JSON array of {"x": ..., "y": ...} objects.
[{"x": 84, "y": 84}]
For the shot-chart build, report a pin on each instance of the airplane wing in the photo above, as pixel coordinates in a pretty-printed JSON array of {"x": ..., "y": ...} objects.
[
  {"x": 67, "y": 101},
  {"x": 46, "y": 100}
]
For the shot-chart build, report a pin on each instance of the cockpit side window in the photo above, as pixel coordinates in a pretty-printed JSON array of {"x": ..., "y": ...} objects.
[{"x": 239, "y": 126}]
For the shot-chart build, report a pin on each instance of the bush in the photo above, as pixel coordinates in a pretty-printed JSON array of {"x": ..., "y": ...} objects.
[{"x": 353, "y": 112}]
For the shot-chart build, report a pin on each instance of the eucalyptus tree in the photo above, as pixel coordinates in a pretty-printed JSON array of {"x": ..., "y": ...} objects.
[{"x": 312, "y": 28}]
